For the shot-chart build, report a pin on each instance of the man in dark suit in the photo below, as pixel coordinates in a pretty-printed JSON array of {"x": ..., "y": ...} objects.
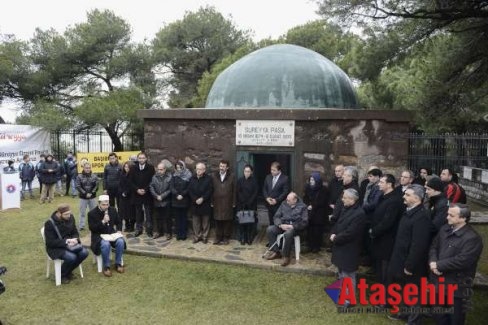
[
  {"x": 140, "y": 177},
  {"x": 408, "y": 261},
  {"x": 275, "y": 190},
  {"x": 454, "y": 255}
]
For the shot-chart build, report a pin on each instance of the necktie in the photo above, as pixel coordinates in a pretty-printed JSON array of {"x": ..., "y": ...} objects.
[{"x": 275, "y": 179}]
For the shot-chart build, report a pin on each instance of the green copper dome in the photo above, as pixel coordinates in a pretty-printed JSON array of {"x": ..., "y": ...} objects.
[{"x": 282, "y": 76}]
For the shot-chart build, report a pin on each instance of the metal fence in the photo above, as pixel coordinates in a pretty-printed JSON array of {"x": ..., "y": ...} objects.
[
  {"x": 448, "y": 150},
  {"x": 65, "y": 141}
]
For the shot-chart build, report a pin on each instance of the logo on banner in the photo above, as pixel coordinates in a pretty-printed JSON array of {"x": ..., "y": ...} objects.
[{"x": 11, "y": 188}]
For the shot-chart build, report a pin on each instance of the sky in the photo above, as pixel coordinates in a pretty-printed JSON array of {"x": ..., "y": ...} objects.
[{"x": 266, "y": 18}]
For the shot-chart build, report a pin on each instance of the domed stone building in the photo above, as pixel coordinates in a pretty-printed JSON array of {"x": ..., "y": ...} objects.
[
  {"x": 285, "y": 76},
  {"x": 280, "y": 103}
]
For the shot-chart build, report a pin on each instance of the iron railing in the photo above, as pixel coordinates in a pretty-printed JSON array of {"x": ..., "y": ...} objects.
[
  {"x": 450, "y": 150},
  {"x": 65, "y": 141}
]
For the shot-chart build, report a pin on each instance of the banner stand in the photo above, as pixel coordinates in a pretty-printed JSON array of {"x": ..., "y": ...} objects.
[{"x": 10, "y": 191}]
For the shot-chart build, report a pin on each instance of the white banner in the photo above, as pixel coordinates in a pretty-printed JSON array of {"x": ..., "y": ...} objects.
[
  {"x": 10, "y": 193},
  {"x": 19, "y": 140}
]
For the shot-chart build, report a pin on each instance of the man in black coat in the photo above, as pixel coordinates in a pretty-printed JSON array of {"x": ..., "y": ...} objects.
[
  {"x": 346, "y": 236},
  {"x": 409, "y": 257},
  {"x": 438, "y": 204},
  {"x": 336, "y": 186},
  {"x": 111, "y": 179},
  {"x": 140, "y": 177},
  {"x": 66, "y": 245},
  {"x": 384, "y": 224},
  {"x": 104, "y": 220},
  {"x": 454, "y": 255},
  {"x": 276, "y": 188},
  {"x": 200, "y": 191}
]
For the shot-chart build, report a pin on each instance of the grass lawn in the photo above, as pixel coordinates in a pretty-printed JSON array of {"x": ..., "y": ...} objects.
[{"x": 155, "y": 290}]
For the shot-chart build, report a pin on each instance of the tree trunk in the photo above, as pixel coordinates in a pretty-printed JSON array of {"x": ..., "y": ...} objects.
[{"x": 115, "y": 139}]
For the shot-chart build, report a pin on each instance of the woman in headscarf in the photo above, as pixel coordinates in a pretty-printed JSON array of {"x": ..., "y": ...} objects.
[
  {"x": 316, "y": 198},
  {"x": 180, "y": 200}
]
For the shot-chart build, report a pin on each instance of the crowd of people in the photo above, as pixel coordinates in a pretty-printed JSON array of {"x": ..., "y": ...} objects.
[{"x": 416, "y": 228}]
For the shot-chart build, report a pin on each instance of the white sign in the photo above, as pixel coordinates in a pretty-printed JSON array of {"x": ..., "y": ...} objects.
[
  {"x": 265, "y": 133},
  {"x": 19, "y": 140},
  {"x": 467, "y": 172},
  {"x": 10, "y": 193},
  {"x": 484, "y": 177}
]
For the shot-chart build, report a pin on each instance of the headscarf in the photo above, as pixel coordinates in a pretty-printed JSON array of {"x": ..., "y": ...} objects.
[
  {"x": 312, "y": 190},
  {"x": 184, "y": 173}
]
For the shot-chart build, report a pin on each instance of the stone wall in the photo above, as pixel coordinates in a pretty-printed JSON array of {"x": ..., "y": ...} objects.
[{"x": 323, "y": 138}]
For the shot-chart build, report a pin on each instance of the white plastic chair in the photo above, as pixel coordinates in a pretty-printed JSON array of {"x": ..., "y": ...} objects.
[
  {"x": 297, "y": 244},
  {"x": 57, "y": 264}
]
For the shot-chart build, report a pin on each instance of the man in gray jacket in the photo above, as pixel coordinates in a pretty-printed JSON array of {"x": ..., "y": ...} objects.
[
  {"x": 161, "y": 193},
  {"x": 291, "y": 217},
  {"x": 87, "y": 186}
]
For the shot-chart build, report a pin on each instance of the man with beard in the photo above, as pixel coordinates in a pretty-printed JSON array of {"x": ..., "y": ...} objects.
[
  {"x": 140, "y": 177},
  {"x": 104, "y": 220}
]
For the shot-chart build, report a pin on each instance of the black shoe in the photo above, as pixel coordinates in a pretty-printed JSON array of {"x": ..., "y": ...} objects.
[
  {"x": 149, "y": 234},
  {"x": 268, "y": 244},
  {"x": 249, "y": 242},
  {"x": 65, "y": 280},
  {"x": 328, "y": 250},
  {"x": 137, "y": 233},
  {"x": 205, "y": 241},
  {"x": 243, "y": 242}
]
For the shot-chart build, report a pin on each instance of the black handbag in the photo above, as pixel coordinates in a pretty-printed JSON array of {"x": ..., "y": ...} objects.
[{"x": 245, "y": 216}]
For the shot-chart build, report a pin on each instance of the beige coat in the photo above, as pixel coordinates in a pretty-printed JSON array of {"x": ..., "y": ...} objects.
[{"x": 223, "y": 198}]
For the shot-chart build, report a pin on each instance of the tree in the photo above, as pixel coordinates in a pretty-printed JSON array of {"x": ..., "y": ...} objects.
[
  {"x": 191, "y": 46},
  {"x": 427, "y": 56},
  {"x": 90, "y": 75},
  {"x": 327, "y": 39}
]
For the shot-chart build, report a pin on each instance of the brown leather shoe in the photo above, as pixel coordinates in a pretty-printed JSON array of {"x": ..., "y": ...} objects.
[
  {"x": 286, "y": 261},
  {"x": 107, "y": 272},
  {"x": 273, "y": 256},
  {"x": 120, "y": 269}
]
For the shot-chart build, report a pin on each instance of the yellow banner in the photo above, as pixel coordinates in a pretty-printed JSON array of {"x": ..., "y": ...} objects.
[{"x": 98, "y": 160}]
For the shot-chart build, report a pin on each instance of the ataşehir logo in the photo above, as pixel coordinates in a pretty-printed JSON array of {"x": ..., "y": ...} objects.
[
  {"x": 394, "y": 294},
  {"x": 11, "y": 188}
]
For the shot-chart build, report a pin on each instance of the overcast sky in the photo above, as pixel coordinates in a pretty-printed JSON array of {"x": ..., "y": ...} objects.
[{"x": 266, "y": 18}]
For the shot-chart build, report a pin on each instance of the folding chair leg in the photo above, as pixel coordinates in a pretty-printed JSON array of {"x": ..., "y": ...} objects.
[
  {"x": 99, "y": 263},
  {"x": 81, "y": 271},
  {"x": 57, "y": 271},
  {"x": 297, "y": 248},
  {"x": 48, "y": 268}
]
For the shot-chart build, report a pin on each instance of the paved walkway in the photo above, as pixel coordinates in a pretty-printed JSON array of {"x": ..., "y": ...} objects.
[{"x": 237, "y": 254}]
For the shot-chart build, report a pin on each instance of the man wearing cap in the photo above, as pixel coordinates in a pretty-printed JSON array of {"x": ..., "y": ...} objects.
[
  {"x": 438, "y": 204},
  {"x": 63, "y": 241},
  {"x": 104, "y": 220}
]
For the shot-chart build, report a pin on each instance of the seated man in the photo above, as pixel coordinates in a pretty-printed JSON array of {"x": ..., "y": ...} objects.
[
  {"x": 104, "y": 220},
  {"x": 63, "y": 241},
  {"x": 291, "y": 217}
]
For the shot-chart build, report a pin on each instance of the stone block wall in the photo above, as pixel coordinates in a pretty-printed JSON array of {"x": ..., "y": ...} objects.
[{"x": 323, "y": 138}]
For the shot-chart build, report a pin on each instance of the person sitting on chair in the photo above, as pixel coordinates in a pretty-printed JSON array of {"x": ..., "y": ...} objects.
[
  {"x": 63, "y": 241},
  {"x": 104, "y": 220},
  {"x": 291, "y": 217}
]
